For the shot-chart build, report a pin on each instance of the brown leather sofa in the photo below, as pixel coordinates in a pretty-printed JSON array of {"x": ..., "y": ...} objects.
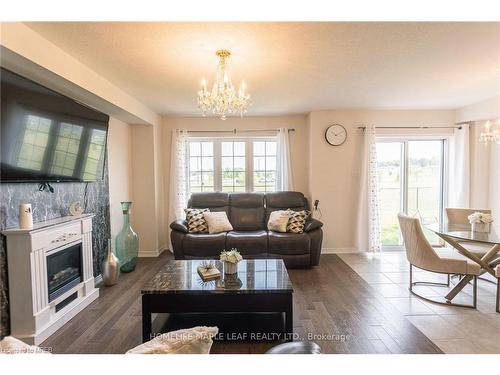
[{"x": 248, "y": 214}]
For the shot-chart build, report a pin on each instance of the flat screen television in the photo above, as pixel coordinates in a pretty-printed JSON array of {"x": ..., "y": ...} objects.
[{"x": 48, "y": 137}]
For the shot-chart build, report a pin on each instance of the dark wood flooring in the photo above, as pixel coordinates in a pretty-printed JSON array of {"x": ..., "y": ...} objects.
[{"x": 333, "y": 306}]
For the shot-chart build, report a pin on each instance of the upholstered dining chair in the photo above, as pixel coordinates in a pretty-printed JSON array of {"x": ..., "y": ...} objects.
[
  {"x": 460, "y": 216},
  {"x": 421, "y": 254}
]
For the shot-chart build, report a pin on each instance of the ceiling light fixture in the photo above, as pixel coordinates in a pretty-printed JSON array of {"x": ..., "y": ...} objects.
[{"x": 223, "y": 100}]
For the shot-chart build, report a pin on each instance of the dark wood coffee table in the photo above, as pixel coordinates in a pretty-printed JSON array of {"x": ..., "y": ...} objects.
[{"x": 260, "y": 286}]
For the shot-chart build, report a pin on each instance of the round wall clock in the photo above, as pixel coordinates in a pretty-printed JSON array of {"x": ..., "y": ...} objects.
[{"x": 336, "y": 135}]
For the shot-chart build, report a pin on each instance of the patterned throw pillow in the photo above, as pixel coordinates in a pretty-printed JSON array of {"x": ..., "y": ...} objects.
[
  {"x": 195, "y": 220},
  {"x": 296, "y": 221}
]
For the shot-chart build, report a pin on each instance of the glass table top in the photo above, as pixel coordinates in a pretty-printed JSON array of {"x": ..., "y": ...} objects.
[
  {"x": 464, "y": 232},
  {"x": 254, "y": 276}
]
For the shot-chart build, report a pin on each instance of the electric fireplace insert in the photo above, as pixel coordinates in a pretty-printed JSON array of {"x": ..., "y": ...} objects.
[{"x": 64, "y": 270}]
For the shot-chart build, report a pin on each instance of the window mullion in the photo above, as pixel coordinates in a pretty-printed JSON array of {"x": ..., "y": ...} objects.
[
  {"x": 249, "y": 165},
  {"x": 217, "y": 166}
]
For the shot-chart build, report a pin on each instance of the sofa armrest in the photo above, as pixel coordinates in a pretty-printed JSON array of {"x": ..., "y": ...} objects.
[
  {"x": 180, "y": 226},
  {"x": 312, "y": 224}
]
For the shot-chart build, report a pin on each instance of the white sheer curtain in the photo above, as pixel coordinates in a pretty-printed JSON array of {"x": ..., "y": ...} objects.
[
  {"x": 368, "y": 229},
  {"x": 178, "y": 176},
  {"x": 285, "y": 178},
  {"x": 459, "y": 176}
]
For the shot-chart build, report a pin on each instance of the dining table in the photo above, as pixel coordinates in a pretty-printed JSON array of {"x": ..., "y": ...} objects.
[{"x": 458, "y": 236}]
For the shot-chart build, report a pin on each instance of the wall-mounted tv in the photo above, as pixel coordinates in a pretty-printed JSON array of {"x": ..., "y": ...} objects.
[{"x": 46, "y": 136}]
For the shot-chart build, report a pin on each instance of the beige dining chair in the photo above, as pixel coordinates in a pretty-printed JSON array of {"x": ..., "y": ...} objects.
[
  {"x": 421, "y": 254},
  {"x": 460, "y": 216}
]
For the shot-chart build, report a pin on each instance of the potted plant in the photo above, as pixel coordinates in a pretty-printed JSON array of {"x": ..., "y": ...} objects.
[
  {"x": 480, "y": 222},
  {"x": 230, "y": 259}
]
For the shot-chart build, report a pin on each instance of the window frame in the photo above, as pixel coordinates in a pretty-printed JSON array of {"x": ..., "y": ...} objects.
[{"x": 217, "y": 158}]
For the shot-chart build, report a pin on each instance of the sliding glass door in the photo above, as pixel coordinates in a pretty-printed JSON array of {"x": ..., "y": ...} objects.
[{"x": 411, "y": 179}]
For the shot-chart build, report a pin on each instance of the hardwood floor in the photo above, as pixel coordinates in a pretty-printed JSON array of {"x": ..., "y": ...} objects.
[{"x": 331, "y": 302}]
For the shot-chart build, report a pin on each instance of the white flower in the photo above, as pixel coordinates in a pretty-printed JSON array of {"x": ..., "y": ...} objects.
[
  {"x": 479, "y": 217},
  {"x": 232, "y": 256}
]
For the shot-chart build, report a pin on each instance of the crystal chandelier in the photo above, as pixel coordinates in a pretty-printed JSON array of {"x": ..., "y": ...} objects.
[
  {"x": 489, "y": 135},
  {"x": 223, "y": 100}
]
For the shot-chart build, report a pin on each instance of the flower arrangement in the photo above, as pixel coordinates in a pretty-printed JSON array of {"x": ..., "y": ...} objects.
[
  {"x": 480, "y": 218},
  {"x": 232, "y": 256}
]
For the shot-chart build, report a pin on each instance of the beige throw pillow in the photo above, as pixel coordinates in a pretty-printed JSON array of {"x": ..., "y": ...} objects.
[
  {"x": 217, "y": 222},
  {"x": 11, "y": 345},
  {"x": 197, "y": 340},
  {"x": 278, "y": 221}
]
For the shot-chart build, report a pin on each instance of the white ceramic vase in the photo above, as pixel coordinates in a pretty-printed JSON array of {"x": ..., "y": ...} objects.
[
  {"x": 481, "y": 227},
  {"x": 25, "y": 216},
  {"x": 230, "y": 268}
]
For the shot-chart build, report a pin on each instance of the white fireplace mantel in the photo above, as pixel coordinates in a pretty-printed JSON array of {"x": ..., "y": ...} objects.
[{"x": 32, "y": 317}]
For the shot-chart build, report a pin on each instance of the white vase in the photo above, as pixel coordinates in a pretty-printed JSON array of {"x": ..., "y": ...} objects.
[
  {"x": 481, "y": 227},
  {"x": 25, "y": 216},
  {"x": 230, "y": 268}
]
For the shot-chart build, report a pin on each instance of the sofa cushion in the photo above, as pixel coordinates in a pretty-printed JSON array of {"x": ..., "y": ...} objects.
[
  {"x": 248, "y": 242},
  {"x": 215, "y": 202},
  {"x": 204, "y": 245},
  {"x": 247, "y": 211},
  {"x": 288, "y": 243}
]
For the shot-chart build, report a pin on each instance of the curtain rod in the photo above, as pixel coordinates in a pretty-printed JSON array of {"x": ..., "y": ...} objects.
[
  {"x": 234, "y": 131},
  {"x": 413, "y": 127}
]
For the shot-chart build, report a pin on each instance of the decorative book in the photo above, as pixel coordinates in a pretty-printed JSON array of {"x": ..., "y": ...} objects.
[{"x": 208, "y": 272}]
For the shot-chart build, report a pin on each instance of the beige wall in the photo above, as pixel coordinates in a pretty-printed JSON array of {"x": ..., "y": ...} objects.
[
  {"x": 494, "y": 185},
  {"x": 144, "y": 214},
  {"x": 335, "y": 171},
  {"x": 484, "y": 110},
  {"x": 485, "y": 159},
  {"x": 120, "y": 171},
  {"x": 479, "y": 168}
]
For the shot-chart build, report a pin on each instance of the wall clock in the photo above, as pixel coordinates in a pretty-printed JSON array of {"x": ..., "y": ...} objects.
[{"x": 336, "y": 135}]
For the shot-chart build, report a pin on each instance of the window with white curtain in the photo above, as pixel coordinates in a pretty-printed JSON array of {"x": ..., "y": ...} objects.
[{"x": 232, "y": 164}]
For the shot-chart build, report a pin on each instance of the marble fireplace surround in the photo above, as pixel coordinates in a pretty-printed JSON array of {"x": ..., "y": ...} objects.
[{"x": 94, "y": 197}]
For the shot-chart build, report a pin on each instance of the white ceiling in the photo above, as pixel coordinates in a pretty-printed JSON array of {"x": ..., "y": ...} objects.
[{"x": 293, "y": 67}]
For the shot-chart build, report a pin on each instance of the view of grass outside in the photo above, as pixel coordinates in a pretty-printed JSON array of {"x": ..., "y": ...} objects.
[
  {"x": 424, "y": 182},
  {"x": 389, "y": 159},
  {"x": 424, "y": 185}
]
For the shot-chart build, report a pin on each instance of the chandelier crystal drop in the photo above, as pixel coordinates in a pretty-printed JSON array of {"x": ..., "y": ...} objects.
[
  {"x": 223, "y": 100},
  {"x": 490, "y": 135}
]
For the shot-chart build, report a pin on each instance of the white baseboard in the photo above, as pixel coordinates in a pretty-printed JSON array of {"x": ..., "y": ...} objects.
[
  {"x": 152, "y": 253},
  {"x": 339, "y": 250},
  {"x": 98, "y": 280}
]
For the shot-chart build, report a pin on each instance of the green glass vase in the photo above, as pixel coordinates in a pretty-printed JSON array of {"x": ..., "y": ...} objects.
[{"x": 127, "y": 242}]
